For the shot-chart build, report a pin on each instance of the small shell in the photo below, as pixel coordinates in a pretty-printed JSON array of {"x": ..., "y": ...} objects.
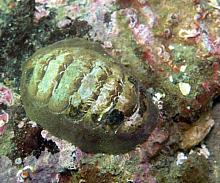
[
  {"x": 191, "y": 33},
  {"x": 75, "y": 91},
  {"x": 184, "y": 88}
]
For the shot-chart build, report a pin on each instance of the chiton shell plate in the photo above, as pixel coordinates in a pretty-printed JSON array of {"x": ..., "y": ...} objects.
[{"x": 75, "y": 90}]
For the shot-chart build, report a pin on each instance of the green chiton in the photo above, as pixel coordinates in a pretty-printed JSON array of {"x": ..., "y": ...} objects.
[{"x": 75, "y": 90}]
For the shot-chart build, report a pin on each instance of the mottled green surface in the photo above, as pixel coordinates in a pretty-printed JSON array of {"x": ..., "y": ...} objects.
[
  {"x": 6, "y": 143},
  {"x": 194, "y": 170},
  {"x": 75, "y": 90}
]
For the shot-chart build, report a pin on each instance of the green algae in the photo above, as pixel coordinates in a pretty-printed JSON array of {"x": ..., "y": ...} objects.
[
  {"x": 20, "y": 36},
  {"x": 194, "y": 170},
  {"x": 5, "y": 7},
  {"x": 184, "y": 52},
  {"x": 183, "y": 10},
  {"x": 6, "y": 142},
  {"x": 121, "y": 167},
  {"x": 196, "y": 71},
  {"x": 127, "y": 45}
]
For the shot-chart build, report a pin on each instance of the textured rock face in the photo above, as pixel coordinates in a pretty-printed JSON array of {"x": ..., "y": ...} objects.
[{"x": 76, "y": 91}]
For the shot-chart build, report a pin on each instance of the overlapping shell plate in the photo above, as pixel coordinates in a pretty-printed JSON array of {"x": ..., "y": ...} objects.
[{"x": 76, "y": 91}]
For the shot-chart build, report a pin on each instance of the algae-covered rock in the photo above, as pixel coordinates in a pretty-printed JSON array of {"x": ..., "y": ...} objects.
[
  {"x": 213, "y": 143},
  {"x": 6, "y": 143},
  {"x": 195, "y": 134},
  {"x": 7, "y": 170},
  {"x": 195, "y": 169}
]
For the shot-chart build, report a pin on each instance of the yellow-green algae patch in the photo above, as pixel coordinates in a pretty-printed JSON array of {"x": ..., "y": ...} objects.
[{"x": 6, "y": 142}]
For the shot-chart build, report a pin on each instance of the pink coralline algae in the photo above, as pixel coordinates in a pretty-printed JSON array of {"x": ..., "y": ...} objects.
[
  {"x": 42, "y": 8},
  {"x": 155, "y": 142},
  {"x": 40, "y": 12},
  {"x": 4, "y": 117},
  {"x": 144, "y": 175},
  {"x": 6, "y": 98},
  {"x": 69, "y": 155},
  {"x": 142, "y": 29},
  {"x": 48, "y": 167},
  {"x": 201, "y": 32},
  {"x": 146, "y": 151}
]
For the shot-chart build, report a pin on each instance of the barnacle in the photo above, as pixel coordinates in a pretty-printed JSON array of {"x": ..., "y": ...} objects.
[{"x": 79, "y": 93}]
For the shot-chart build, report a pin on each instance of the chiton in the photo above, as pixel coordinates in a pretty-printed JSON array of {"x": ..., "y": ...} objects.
[{"x": 79, "y": 93}]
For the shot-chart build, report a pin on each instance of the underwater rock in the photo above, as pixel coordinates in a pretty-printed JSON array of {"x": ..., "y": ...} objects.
[
  {"x": 195, "y": 169},
  {"x": 77, "y": 92},
  {"x": 6, "y": 100},
  {"x": 195, "y": 134},
  {"x": 213, "y": 143},
  {"x": 8, "y": 170}
]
